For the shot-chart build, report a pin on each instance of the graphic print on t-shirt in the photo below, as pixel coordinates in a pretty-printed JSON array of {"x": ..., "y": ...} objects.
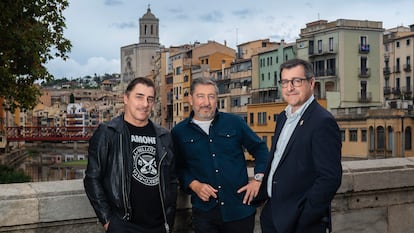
[{"x": 145, "y": 165}]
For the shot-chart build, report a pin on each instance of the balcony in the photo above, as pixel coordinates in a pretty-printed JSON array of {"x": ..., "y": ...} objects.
[
  {"x": 387, "y": 71},
  {"x": 364, "y": 97},
  {"x": 322, "y": 52},
  {"x": 396, "y": 91},
  {"x": 331, "y": 72},
  {"x": 407, "y": 68},
  {"x": 387, "y": 90},
  {"x": 364, "y": 72},
  {"x": 406, "y": 90},
  {"x": 397, "y": 69},
  {"x": 363, "y": 48}
]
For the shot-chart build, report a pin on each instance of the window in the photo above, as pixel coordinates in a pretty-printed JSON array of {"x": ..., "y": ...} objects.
[
  {"x": 264, "y": 138},
  {"x": 363, "y": 40},
  {"x": 261, "y": 118},
  {"x": 364, "y": 64},
  {"x": 407, "y": 137},
  {"x": 251, "y": 118},
  {"x": 275, "y": 117},
  {"x": 331, "y": 44},
  {"x": 380, "y": 138},
  {"x": 311, "y": 47},
  {"x": 178, "y": 70},
  {"x": 390, "y": 143},
  {"x": 319, "y": 46},
  {"x": 371, "y": 139},
  {"x": 408, "y": 83},
  {"x": 262, "y": 77},
  {"x": 331, "y": 67},
  {"x": 363, "y": 135},
  {"x": 408, "y": 42},
  {"x": 397, "y": 44},
  {"x": 353, "y": 135},
  {"x": 397, "y": 65}
]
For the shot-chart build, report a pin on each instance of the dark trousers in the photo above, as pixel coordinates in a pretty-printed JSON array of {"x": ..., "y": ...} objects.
[
  {"x": 268, "y": 226},
  {"x": 211, "y": 222},
  {"x": 117, "y": 225},
  {"x": 266, "y": 221}
]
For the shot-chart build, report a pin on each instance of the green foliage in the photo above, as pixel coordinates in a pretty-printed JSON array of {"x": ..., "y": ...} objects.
[
  {"x": 10, "y": 175},
  {"x": 31, "y": 34}
]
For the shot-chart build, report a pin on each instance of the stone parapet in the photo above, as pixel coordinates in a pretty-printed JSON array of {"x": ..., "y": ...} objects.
[{"x": 376, "y": 196}]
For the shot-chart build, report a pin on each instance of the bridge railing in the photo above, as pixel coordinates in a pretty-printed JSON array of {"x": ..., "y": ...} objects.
[{"x": 38, "y": 133}]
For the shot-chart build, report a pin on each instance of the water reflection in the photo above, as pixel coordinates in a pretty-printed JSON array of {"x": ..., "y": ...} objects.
[{"x": 51, "y": 163}]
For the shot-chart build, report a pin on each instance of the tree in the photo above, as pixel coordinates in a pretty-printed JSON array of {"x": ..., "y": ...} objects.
[
  {"x": 31, "y": 34},
  {"x": 9, "y": 175}
]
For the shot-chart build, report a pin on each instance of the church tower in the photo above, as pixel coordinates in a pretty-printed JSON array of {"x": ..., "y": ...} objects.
[
  {"x": 148, "y": 29},
  {"x": 138, "y": 60}
]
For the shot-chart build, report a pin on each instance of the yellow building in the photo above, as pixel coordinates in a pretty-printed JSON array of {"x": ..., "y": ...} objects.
[{"x": 376, "y": 133}]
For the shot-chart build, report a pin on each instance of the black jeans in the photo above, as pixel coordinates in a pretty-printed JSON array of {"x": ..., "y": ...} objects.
[
  {"x": 211, "y": 222},
  {"x": 117, "y": 225}
]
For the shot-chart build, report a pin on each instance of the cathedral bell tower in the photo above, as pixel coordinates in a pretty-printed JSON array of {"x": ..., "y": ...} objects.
[{"x": 148, "y": 29}]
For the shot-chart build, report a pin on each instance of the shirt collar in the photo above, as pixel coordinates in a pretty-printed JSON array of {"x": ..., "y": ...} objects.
[{"x": 300, "y": 111}]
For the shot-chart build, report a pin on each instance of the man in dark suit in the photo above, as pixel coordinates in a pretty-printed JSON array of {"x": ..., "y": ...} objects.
[{"x": 304, "y": 169}]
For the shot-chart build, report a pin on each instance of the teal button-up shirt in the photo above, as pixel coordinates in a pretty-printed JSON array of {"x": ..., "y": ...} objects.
[{"x": 218, "y": 159}]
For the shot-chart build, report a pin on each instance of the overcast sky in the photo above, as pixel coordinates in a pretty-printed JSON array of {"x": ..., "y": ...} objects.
[{"x": 99, "y": 28}]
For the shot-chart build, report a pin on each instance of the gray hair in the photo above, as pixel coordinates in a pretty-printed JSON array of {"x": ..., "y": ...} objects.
[{"x": 203, "y": 81}]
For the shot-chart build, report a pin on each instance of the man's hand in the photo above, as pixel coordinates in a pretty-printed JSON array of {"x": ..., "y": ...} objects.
[
  {"x": 252, "y": 189},
  {"x": 106, "y": 226},
  {"x": 203, "y": 191}
]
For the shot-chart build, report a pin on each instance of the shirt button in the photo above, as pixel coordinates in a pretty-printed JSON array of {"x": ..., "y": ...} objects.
[
  {"x": 222, "y": 203},
  {"x": 228, "y": 135},
  {"x": 214, "y": 155},
  {"x": 211, "y": 140},
  {"x": 216, "y": 170},
  {"x": 219, "y": 186}
]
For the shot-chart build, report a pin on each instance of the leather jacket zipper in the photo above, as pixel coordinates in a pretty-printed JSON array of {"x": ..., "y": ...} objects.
[
  {"x": 124, "y": 188},
  {"x": 167, "y": 227}
]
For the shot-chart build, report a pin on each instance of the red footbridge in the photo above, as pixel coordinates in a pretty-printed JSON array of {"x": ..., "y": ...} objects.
[{"x": 66, "y": 133}]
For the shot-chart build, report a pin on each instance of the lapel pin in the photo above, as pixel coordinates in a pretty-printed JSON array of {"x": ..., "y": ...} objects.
[{"x": 301, "y": 122}]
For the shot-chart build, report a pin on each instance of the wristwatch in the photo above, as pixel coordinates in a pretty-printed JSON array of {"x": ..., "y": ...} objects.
[{"x": 258, "y": 177}]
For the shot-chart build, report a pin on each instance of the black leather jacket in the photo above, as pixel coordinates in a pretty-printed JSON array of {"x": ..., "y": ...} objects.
[{"x": 108, "y": 175}]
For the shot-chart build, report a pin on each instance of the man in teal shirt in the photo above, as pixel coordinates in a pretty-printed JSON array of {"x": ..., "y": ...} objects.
[{"x": 211, "y": 165}]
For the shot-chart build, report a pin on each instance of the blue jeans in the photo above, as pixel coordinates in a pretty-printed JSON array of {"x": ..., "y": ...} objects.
[{"x": 211, "y": 222}]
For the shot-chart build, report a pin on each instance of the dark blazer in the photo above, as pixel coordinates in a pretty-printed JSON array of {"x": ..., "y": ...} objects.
[{"x": 309, "y": 172}]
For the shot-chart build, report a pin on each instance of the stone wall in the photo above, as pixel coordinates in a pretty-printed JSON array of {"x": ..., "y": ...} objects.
[{"x": 376, "y": 196}]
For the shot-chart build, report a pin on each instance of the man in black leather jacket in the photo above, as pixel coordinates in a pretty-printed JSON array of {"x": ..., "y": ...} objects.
[{"x": 130, "y": 178}]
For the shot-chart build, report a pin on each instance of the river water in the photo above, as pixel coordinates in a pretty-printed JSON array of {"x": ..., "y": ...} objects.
[{"x": 48, "y": 161}]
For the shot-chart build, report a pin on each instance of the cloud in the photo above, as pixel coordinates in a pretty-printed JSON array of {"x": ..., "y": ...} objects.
[
  {"x": 112, "y": 2},
  {"x": 212, "y": 17},
  {"x": 124, "y": 25},
  {"x": 243, "y": 14},
  {"x": 72, "y": 69}
]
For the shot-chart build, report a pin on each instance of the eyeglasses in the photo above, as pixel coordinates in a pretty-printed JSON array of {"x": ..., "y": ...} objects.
[{"x": 296, "y": 82}]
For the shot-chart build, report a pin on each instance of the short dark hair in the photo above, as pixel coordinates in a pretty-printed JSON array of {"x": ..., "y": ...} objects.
[
  {"x": 298, "y": 62},
  {"x": 203, "y": 81},
  {"x": 143, "y": 80}
]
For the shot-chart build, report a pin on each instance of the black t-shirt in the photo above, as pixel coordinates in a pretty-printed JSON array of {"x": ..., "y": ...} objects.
[{"x": 145, "y": 196}]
